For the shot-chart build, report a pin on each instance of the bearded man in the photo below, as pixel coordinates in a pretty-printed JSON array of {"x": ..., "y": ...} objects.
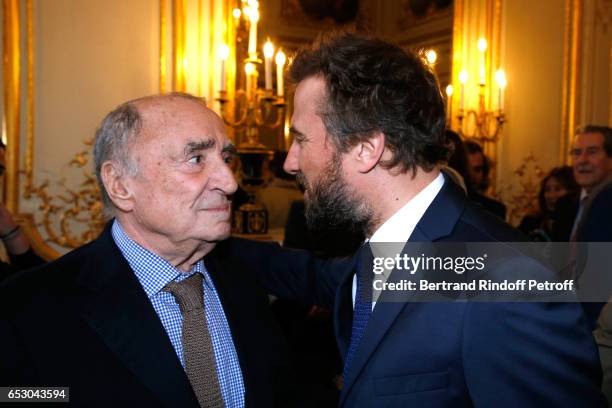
[{"x": 368, "y": 135}]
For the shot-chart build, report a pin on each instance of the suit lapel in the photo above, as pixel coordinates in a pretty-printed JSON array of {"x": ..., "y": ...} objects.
[
  {"x": 120, "y": 313},
  {"x": 437, "y": 222},
  {"x": 343, "y": 310}
]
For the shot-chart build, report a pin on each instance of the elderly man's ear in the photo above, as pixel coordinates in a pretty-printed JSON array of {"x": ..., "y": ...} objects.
[{"x": 117, "y": 185}]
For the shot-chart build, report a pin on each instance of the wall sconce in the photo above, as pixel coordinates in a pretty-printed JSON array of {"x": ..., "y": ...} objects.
[{"x": 483, "y": 122}]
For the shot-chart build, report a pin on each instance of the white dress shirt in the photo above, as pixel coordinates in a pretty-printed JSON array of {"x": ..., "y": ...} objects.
[{"x": 398, "y": 228}]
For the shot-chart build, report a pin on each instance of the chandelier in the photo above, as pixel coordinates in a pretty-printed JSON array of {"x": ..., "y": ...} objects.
[{"x": 253, "y": 107}]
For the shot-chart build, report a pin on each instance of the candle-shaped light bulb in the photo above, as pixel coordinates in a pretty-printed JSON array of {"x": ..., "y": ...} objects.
[
  {"x": 254, "y": 15},
  {"x": 482, "y": 71},
  {"x": 249, "y": 68},
  {"x": 449, "y": 102},
  {"x": 281, "y": 58},
  {"x": 500, "y": 78},
  {"x": 449, "y": 90},
  {"x": 253, "y": 18},
  {"x": 482, "y": 45},
  {"x": 268, "y": 51},
  {"x": 236, "y": 13},
  {"x": 463, "y": 78},
  {"x": 224, "y": 52},
  {"x": 431, "y": 57}
]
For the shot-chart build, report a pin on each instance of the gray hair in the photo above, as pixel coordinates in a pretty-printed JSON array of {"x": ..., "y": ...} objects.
[
  {"x": 118, "y": 129},
  {"x": 605, "y": 131}
]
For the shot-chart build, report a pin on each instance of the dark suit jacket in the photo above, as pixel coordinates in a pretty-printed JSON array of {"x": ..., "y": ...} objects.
[
  {"x": 493, "y": 206},
  {"x": 565, "y": 213},
  {"x": 20, "y": 262},
  {"x": 447, "y": 354},
  {"x": 596, "y": 226},
  {"x": 84, "y": 321}
]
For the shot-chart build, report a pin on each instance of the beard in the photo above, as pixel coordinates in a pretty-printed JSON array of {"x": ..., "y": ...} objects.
[{"x": 333, "y": 207}]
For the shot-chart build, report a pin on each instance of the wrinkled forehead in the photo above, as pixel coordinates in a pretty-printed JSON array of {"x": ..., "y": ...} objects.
[{"x": 177, "y": 120}]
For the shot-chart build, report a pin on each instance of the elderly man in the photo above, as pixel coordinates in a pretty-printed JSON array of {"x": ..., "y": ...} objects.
[
  {"x": 368, "y": 130},
  {"x": 592, "y": 163},
  {"x": 152, "y": 313}
]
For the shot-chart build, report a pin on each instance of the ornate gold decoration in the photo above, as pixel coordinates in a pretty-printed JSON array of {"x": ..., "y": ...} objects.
[
  {"x": 81, "y": 206},
  {"x": 12, "y": 100},
  {"x": 521, "y": 197},
  {"x": 571, "y": 72},
  {"x": 253, "y": 107},
  {"x": 178, "y": 42},
  {"x": 478, "y": 117},
  {"x": 292, "y": 14},
  {"x": 163, "y": 41},
  {"x": 408, "y": 19},
  {"x": 29, "y": 150}
]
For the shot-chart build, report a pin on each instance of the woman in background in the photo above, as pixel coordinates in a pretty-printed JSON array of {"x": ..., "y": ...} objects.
[{"x": 557, "y": 183}]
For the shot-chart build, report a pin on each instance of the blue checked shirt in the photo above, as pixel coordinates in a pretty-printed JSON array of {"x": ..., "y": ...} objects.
[{"x": 154, "y": 273}]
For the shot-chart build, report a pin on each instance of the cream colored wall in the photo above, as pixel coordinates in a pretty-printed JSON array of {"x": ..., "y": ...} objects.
[
  {"x": 532, "y": 53},
  {"x": 89, "y": 57},
  {"x": 596, "y": 83}
]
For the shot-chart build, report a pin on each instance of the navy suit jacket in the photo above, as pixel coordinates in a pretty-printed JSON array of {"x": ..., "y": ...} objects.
[
  {"x": 84, "y": 321},
  {"x": 449, "y": 354},
  {"x": 597, "y": 223}
]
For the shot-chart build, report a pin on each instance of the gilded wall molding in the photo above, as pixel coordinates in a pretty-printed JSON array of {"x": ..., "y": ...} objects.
[
  {"x": 178, "y": 45},
  {"x": 571, "y": 71},
  {"x": 11, "y": 115},
  {"x": 163, "y": 45},
  {"x": 29, "y": 150},
  {"x": 12, "y": 99}
]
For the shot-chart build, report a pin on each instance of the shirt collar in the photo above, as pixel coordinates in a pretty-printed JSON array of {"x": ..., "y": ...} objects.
[
  {"x": 152, "y": 271},
  {"x": 583, "y": 194},
  {"x": 400, "y": 225}
]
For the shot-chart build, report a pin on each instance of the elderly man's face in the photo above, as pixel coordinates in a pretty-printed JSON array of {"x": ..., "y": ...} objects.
[
  {"x": 591, "y": 163},
  {"x": 182, "y": 186}
]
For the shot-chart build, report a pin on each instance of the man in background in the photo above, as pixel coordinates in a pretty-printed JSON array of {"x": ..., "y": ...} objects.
[
  {"x": 477, "y": 182},
  {"x": 592, "y": 163}
]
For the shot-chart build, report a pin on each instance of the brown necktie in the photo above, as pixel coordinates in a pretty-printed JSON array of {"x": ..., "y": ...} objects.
[{"x": 198, "y": 350}]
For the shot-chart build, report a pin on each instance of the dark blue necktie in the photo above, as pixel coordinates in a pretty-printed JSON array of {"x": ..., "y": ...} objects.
[{"x": 363, "y": 303}]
